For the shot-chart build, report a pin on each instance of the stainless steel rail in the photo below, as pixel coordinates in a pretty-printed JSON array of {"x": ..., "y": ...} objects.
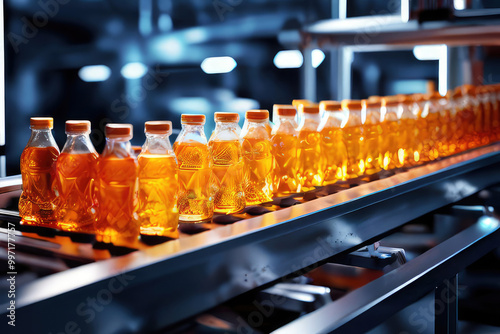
[
  {"x": 366, "y": 307},
  {"x": 161, "y": 285},
  {"x": 10, "y": 183},
  {"x": 389, "y": 30}
]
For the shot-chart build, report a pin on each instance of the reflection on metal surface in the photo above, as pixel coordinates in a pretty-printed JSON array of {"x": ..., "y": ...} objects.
[
  {"x": 10, "y": 183},
  {"x": 209, "y": 268}
]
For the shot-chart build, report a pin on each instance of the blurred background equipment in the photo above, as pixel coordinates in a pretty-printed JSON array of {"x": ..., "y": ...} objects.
[{"x": 131, "y": 61}]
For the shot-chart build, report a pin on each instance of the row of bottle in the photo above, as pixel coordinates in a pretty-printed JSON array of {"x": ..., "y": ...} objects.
[
  {"x": 333, "y": 141},
  {"x": 354, "y": 138},
  {"x": 117, "y": 195}
]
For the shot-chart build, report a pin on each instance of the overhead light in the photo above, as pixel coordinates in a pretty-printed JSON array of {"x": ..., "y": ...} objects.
[
  {"x": 94, "y": 73},
  {"x": 459, "y": 4},
  {"x": 134, "y": 70},
  {"x": 169, "y": 47},
  {"x": 191, "y": 104},
  {"x": 435, "y": 52},
  {"x": 317, "y": 57},
  {"x": 240, "y": 104},
  {"x": 427, "y": 52},
  {"x": 214, "y": 65},
  {"x": 288, "y": 59}
]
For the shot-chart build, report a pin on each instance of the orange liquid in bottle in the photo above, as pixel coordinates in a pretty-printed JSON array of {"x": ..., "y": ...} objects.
[
  {"x": 310, "y": 160},
  {"x": 353, "y": 140},
  {"x": 196, "y": 186},
  {"x": 390, "y": 137},
  {"x": 257, "y": 178},
  {"x": 284, "y": 148},
  {"x": 372, "y": 133},
  {"x": 117, "y": 200},
  {"x": 228, "y": 170},
  {"x": 37, "y": 202},
  {"x": 335, "y": 155},
  {"x": 157, "y": 210},
  {"x": 77, "y": 202}
]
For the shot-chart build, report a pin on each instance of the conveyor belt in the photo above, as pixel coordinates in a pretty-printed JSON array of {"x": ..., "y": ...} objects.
[{"x": 161, "y": 285}]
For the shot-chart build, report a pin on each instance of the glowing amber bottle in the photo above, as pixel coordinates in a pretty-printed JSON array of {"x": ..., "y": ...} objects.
[
  {"x": 372, "y": 131},
  {"x": 353, "y": 138},
  {"x": 76, "y": 175},
  {"x": 37, "y": 203},
  {"x": 117, "y": 174},
  {"x": 391, "y": 136},
  {"x": 226, "y": 151},
  {"x": 332, "y": 142},
  {"x": 284, "y": 141},
  {"x": 157, "y": 210},
  {"x": 309, "y": 155},
  {"x": 196, "y": 185},
  {"x": 257, "y": 158}
]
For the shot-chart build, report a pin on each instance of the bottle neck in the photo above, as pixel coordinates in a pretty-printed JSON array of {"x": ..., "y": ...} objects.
[
  {"x": 119, "y": 147},
  {"x": 157, "y": 144},
  {"x": 192, "y": 132},
  {"x": 78, "y": 142},
  {"x": 286, "y": 124},
  {"x": 226, "y": 131},
  {"x": 256, "y": 129},
  {"x": 42, "y": 138},
  {"x": 309, "y": 121}
]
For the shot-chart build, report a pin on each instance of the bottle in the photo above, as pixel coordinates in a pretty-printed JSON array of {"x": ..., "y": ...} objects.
[
  {"x": 353, "y": 138},
  {"x": 158, "y": 183},
  {"x": 257, "y": 158},
  {"x": 37, "y": 203},
  {"x": 435, "y": 146},
  {"x": 495, "y": 112},
  {"x": 391, "y": 138},
  {"x": 297, "y": 103},
  {"x": 332, "y": 142},
  {"x": 117, "y": 174},
  {"x": 408, "y": 131},
  {"x": 372, "y": 132},
  {"x": 76, "y": 175},
  {"x": 420, "y": 129},
  {"x": 284, "y": 141},
  {"x": 485, "y": 105},
  {"x": 472, "y": 115},
  {"x": 309, "y": 155},
  {"x": 196, "y": 184},
  {"x": 276, "y": 118},
  {"x": 225, "y": 149}
]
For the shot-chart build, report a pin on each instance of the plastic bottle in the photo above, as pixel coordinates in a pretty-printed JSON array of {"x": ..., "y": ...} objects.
[
  {"x": 37, "y": 203},
  {"x": 284, "y": 141},
  {"x": 196, "y": 184},
  {"x": 485, "y": 106},
  {"x": 418, "y": 108},
  {"x": 158, "y": 183},
  {"x": 225, "y": 149},
  {"x": 353, "y": 138},
  {"x": 257, "y": 158},
  {"x": 435, "y": 125},
  {"x": 332, "y": 142},
  {"x": 391, "y": 138},
  {"x": 372, "y": 132},
  {"x": 117, "y": 174},
  {"x": 309, "y": 155},
  {"x": 76, "y": 176},
  {"x": 408, "y": 131}
]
